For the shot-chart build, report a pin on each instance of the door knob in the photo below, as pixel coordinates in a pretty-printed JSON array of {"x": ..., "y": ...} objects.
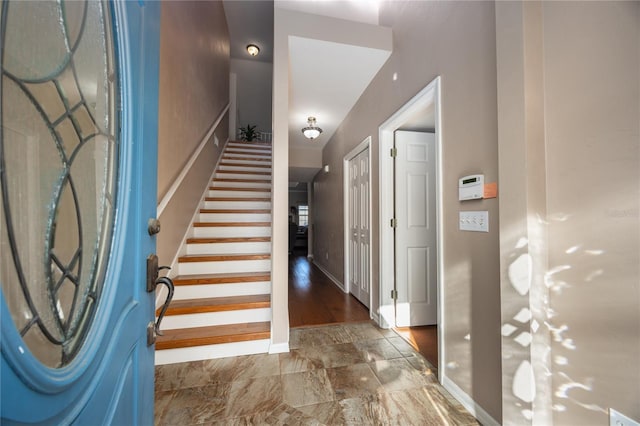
[{"x": 153, "y": 226}]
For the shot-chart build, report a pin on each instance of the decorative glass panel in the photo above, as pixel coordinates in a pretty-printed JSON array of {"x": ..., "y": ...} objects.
[{"x": 58, "y": 159}]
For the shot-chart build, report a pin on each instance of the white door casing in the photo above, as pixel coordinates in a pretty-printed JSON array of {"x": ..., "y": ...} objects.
[{"x": 416, "y": 280}]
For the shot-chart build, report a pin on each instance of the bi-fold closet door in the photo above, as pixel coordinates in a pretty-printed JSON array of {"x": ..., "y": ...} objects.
[{"x": 359, "y": 224}]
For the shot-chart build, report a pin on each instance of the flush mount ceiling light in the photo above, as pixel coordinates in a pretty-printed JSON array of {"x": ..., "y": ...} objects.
[
  {"x": 253, "y": 49},
  {"x": 311, "y": 131}
]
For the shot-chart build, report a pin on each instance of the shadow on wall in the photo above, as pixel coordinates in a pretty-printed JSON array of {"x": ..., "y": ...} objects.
[{"x": 538, "y": 345}]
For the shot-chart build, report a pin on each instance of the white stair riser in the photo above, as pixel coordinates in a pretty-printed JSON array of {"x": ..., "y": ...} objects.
[
  {"x": 266, "y": 178},
  {"x": 223, "y": 184},
  {"x": 224, "y": 267},
  {"x": 222, "y": 350},
  {"x": 245, "y": 161},
  {"x": 229, "y": 248},
  {"x": 235, "y": 217},
  {"x": 239, "y": 194},
  {"x": 244, "y": 168},
  {"x": 232, "y": 231},
  {"x": 172, "y": 322},
  {"x": 251, "y": 205},
  {"x": 184, "y": 292}
]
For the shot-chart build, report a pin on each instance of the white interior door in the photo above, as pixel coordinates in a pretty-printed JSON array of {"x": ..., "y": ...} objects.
[
  {"x": 359, "y": 223},
  {"x": 415, "y": 200}
]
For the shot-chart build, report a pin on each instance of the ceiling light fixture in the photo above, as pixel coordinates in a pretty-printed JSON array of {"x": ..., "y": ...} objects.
[
  {"x": 253, "y": 49},
  {"x": 311, "y": 131}
]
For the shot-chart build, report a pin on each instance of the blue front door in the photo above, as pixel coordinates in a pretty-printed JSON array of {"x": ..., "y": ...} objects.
[{"x": 78, "y": 167}]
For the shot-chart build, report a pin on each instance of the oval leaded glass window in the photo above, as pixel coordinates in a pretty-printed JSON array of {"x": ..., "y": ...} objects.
[{"x": 58, "y": 160}]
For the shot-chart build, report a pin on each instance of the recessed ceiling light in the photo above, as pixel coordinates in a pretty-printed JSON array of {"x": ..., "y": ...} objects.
[{"x": 253, "y": 49}]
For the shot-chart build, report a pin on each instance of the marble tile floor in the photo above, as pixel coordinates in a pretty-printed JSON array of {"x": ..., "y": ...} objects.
[{"x": 347, "y": 374}]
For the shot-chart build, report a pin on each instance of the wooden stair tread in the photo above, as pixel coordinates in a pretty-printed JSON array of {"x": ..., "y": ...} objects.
[
  {"x": 223, "y": 257},
  {"x": 226, "y": 278},
  {"x": 244, "y": 172},
  {"x": 259, "y": 166},
  {"x": 257, "y": 158},
  {"x": 226, "y": 188},
  {"x": 200, "y": 336},
  {"x": 228, "y": 240},
  {"x": 245, "y": 144},
  {"x": 237, "y": 199},
  {"x": 242, "y": 180},
  {"x": 237, "y": 211},
  {"x": 252, "y": 153},
  {"x": 217, "y": 304},
  {"x": 229, "y": 224}
]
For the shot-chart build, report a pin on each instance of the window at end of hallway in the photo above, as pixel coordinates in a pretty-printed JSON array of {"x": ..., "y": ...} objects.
[{"x": 303, "y": 215}]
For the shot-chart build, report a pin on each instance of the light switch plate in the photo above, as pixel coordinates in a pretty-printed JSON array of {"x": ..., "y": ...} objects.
[{"x": 477, "y": 221}]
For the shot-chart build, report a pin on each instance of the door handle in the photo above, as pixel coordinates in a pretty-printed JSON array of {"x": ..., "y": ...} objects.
[{"x": 153, "y": 280}]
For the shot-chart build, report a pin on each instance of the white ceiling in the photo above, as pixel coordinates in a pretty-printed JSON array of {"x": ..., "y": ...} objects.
[
  {"x": 326, "y": 78},
  {"x": 250, "y": 22}
]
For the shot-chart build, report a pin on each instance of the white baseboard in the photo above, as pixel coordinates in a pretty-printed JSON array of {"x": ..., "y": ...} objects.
[
  {"x": 375, "y": 317},
  {"x": 331, "y": 277},
  {"x": 279, "y": 348},
  {"x": 478, "y": 412}
]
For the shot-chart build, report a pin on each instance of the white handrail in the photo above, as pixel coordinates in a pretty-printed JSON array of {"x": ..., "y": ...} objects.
[{"x": 183, "y": 173}]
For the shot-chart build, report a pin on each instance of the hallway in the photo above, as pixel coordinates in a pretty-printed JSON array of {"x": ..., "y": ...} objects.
[{"x": 315, "y": 300}]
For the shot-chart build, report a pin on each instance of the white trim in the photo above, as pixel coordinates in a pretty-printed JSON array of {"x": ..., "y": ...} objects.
[
  {"x": 467, "y": 402},
  {"x": 187, "y": 167},
  {"x": 362, "y": 146},
  {"x": 330, "y": 276},
  {"x": 279, "y": 348},
  {"x": 429, "y": 95}
]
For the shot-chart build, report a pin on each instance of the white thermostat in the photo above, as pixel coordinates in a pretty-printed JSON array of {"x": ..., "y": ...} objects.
[{"x": 471, "y": 187}]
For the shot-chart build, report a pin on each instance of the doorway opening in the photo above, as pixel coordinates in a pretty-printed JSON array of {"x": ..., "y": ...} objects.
[{"x": 421, "y": 114}]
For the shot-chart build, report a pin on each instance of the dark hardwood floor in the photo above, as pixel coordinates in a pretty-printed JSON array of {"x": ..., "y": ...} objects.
[
  {"x": 315, "y": 300},
  {"x": 424, "y": 339}
]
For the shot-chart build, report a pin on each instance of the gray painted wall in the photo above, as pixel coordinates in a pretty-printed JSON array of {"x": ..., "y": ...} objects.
[
  {"x": 193, "y": 92},
  {"x": 254, "y": 89},
  {"x": 454, "y": 40}
]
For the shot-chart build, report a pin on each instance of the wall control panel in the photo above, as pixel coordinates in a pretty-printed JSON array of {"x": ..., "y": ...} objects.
[
  {"x": 471, "y": 187},
  {"x": 477, "y": 221}
]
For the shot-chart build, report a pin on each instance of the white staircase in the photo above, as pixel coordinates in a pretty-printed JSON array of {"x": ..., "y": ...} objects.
[{"x": 221, "y": 305}]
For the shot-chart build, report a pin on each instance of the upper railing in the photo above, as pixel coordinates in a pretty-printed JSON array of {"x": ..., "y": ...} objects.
[{"x": 261, "y": 136}]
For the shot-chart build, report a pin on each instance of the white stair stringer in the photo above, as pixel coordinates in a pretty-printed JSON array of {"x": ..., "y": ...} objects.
[{"x": 230, "y": 243}]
